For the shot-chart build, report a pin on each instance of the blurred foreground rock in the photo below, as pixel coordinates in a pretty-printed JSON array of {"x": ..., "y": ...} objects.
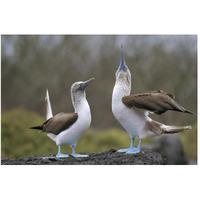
[
  {"x": 145, "y": 157},
  {"x": 170, "y": 147}
]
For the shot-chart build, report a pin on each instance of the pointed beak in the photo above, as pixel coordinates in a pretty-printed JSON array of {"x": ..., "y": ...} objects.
[
  {"x": 85, "y": 84},
  {"x": 122, "y": 66}
]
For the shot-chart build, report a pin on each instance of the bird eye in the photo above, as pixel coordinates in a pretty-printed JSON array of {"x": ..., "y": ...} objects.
[{"x": 81, "y": 86}]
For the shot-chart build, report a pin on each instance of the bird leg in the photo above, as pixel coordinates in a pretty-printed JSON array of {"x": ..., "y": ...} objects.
[
  {"x": 74, "y": 153},
  {"x": 59, "y": 154},
  {"x": 131, "y": 147},
  {"x": 133, "y": 150}
]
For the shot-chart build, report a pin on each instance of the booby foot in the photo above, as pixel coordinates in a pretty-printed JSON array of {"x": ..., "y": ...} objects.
[
  {"x": 79, "y": 155},
  {"x": 60, "y": 155},
  {"x": 122, "y": 150},
  {"x": 133, "y": 150}
]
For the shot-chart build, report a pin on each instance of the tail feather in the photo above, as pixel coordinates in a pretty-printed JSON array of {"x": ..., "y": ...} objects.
[
  {"x": 190, "y": 112},
  {"x": 49, "y": 113},
  {"x": 36, "y": 127},
  {"x": 174, "y": 129}
]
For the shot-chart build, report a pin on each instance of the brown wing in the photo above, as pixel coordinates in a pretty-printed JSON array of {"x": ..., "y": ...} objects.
[
  {"x": 156, "y": 101},
  {"x": 59, "y": 123}
]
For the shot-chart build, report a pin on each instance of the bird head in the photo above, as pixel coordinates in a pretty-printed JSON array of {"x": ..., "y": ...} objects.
[
  {"x": 78, "y": 90},
  {"x": 123, "y": 74},
  {"x": 80, "y": 86}
]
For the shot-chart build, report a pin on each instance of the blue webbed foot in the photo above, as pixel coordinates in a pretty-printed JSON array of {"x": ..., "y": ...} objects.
[
  {"x": 133, "y": 150},
  {"x": 122, "y": 150},
  {"x": 79, "y": 155},
  {"x": 60, "y": 155}
]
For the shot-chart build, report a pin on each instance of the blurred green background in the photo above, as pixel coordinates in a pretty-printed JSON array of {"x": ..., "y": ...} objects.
[{"x": 31, "y": 64}]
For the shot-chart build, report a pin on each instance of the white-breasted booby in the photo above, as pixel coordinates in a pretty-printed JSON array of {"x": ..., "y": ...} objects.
[
  {"x": 67, "y": 128},
  {"x": 132, "y": 111}
]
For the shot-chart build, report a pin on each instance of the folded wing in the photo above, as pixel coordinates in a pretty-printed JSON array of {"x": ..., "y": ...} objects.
[
  {"x": 59, "y": 123},
  {"x": 156, "y": 101}
]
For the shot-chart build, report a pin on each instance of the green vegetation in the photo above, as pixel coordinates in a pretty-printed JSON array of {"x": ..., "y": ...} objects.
[{"x": 17, "y": 140}]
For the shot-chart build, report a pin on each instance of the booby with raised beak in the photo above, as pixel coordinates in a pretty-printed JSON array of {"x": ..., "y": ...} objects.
[
  {"x": 132, "y": 111},
  {"x": 68, "y": 128}
]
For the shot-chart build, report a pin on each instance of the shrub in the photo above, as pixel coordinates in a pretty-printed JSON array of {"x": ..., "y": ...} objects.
[{"x": 17, "y": 140}]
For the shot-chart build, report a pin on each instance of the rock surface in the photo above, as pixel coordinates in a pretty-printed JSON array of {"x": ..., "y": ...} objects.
[{"x": 145, "y": 157}]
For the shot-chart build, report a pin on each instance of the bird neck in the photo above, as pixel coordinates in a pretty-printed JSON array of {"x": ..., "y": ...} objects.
[
  {"x": 80, "y": 103},
  {"x": 119, "y": 92},
  {"x": 121, "y": 89},
  {"x": 122, "y": 84}
]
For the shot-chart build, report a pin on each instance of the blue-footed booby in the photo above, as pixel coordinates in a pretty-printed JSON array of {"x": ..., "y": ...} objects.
[
  {"x": 67, "y": 128},
  {"x": 132, "y": 111}
]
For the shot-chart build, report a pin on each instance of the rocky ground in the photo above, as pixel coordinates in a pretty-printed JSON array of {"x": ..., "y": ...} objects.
[{"x": 145, "y": 157}]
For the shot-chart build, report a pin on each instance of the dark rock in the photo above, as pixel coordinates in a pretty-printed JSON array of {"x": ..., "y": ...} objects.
[
  {"x": 170, "y": 147},
  {"x": 145, "y": 157}
]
